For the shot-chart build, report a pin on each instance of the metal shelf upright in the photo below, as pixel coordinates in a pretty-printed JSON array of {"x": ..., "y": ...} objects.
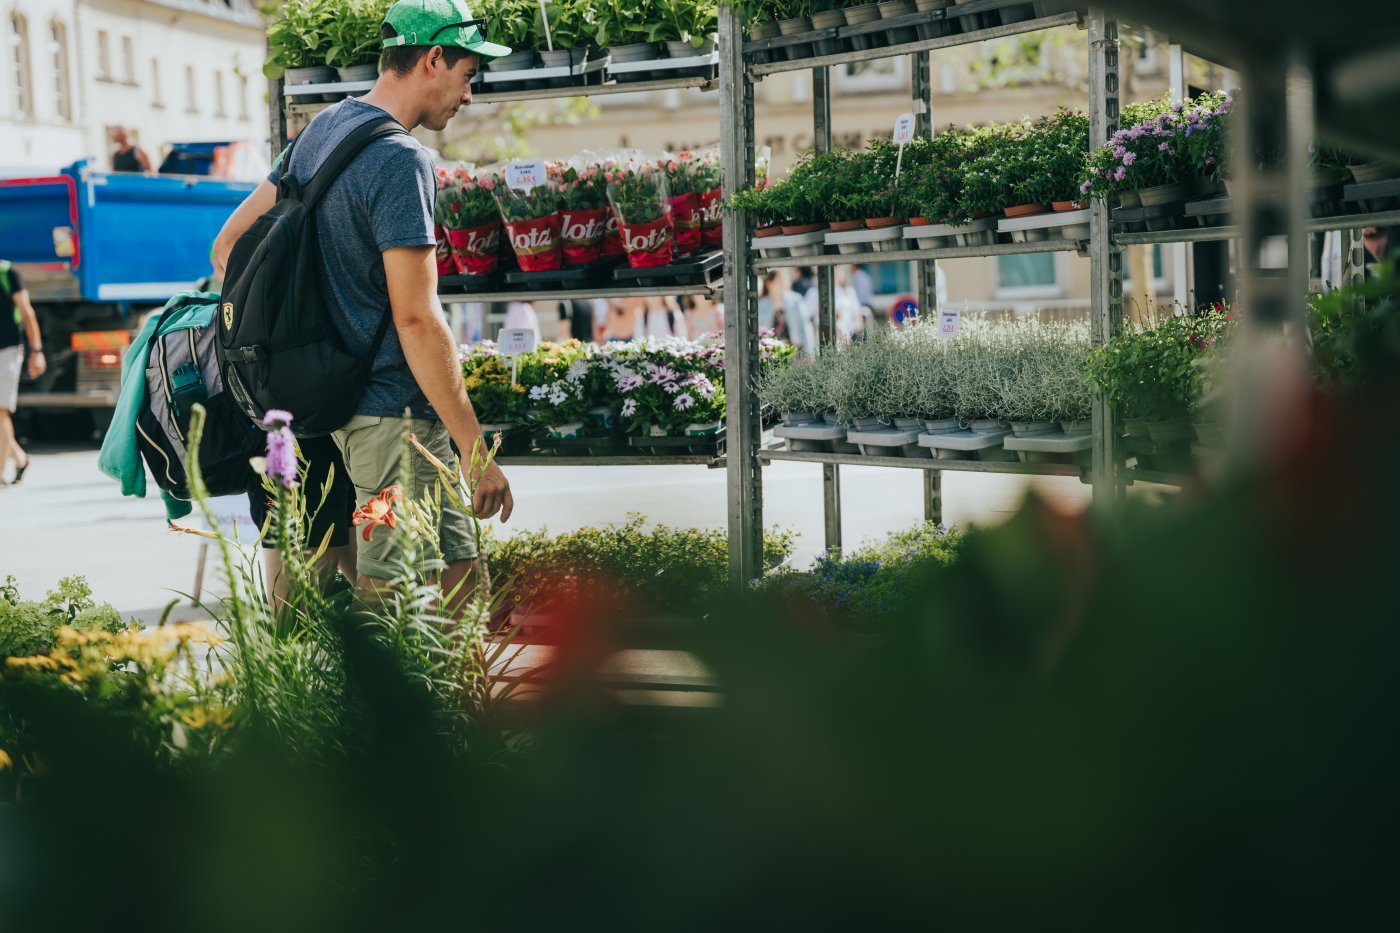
[{"x": 745, "y": 453}]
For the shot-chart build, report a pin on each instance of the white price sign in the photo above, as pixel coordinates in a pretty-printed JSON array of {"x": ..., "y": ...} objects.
[
  {"x": 522, "y": 176},
  {"x": 947, "y": 323},
  {"x": 516, "y": 341},
  {"x": 903, "y": 129}
]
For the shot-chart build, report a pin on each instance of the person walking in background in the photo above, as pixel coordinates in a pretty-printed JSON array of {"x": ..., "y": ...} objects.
[
  {"x": 622, "y": 322},
  {"x": 579, "y": 311},
  {"x": 850, "y": 314},
  {"x": 864, "y": 286},
  {"x": 128, "y": 156},
  {"x": 780, "y": 309},
  {"x": 16, "y": 314},
  {"x": 703, "y": 316},
  {"x": 663, "y": 317}
]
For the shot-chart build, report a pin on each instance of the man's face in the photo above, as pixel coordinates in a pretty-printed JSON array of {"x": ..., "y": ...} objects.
[{"x": 450, "y": 88}]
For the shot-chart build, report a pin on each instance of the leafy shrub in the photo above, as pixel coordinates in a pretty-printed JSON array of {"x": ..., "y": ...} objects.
[
  {"x": 28, "y": 627},
  {"x": 865, "y": 588},
  {"x": 666, "y": 568},
  {"x": 1157, "y": 371},
  {"x": 1356, "y": 334}
]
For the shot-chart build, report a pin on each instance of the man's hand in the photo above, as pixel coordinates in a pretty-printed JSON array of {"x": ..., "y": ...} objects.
[
  {"x": 493, "y": 495},
  {"x": 37, "y": 364}
]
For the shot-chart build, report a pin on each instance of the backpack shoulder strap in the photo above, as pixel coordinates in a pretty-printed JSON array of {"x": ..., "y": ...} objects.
[{"x": 343, "y": 154}]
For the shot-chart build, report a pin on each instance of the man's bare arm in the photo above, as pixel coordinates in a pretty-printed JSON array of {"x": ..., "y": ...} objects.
[
  {"x": 411, "y": 273},
  {"x": 37, "y": 362},
  {"x": 262, "y": 199}
]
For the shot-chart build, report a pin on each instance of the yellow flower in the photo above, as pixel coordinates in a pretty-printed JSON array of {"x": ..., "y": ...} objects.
[
  {"x": 215, "y": 716},
  {"x": 518, "y": 388},
  {"x": 6, "y": 762},
  {"x": 38, "y": 660}
]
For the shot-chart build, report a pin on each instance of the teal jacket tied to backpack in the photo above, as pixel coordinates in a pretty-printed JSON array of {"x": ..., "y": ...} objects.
[{"x": 120, "y": 457}]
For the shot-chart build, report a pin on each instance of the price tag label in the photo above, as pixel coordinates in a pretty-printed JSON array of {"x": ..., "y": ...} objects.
[
  {"x": 903, "y": 129},
  {"x": 948, "y": 323},
  {"x": 516, "y": 341},
  {"x": 522, "y": 176}
]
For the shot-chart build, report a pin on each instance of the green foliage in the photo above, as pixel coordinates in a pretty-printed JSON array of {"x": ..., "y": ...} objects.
[
  {"x": 867, "y": 588},
  {"x": 1157, "y": 371},
  {"x": 301, "y": 37},
  {"x": 664, "y": 568},
  {"x": 1355, "y": 335},
  {"x": 1018, "y": 371},
  {"x": 28, "y": 627}
]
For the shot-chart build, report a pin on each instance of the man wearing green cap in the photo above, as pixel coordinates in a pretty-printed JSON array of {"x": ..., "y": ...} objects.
[{"x": 376, "y": 243}]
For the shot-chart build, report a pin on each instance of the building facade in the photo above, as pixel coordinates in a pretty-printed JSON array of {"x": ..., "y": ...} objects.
[{"x": 168, "y": 70}]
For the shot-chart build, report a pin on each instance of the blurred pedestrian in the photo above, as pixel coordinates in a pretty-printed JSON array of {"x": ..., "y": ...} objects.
[
  {"x": 16, "y": 315},
  {"x": 781, "y": 310},
  {"x": 128, "y": 156}
]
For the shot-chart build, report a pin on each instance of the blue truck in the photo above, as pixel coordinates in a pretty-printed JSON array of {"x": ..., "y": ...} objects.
[{"x": 96, "y": 251}]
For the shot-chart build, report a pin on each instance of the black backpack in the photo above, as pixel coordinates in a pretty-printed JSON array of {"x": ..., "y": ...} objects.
[
  {"x": 182, "y": 370},
  {"x": 278, "y": 346}
]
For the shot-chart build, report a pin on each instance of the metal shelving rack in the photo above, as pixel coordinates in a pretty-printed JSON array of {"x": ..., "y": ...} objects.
[
  {"x": 295, "y": 113},
  {"x": 747, "y": 455}
]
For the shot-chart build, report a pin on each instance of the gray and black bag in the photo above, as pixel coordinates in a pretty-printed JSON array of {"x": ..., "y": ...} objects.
[{"x": 182, "y": 370}]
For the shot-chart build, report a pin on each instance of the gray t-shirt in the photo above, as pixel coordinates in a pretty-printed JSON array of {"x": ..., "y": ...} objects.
[{"x": 383, "y": 200}]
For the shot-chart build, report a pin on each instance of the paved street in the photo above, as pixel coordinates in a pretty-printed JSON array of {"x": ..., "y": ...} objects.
[{"x": 68, "y": 518}]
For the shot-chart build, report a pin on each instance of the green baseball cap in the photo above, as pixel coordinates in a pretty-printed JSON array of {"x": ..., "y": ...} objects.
[{"x": 439, "y": 22}]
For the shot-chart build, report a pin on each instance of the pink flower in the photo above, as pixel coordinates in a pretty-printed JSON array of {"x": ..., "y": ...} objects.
[
  {"x": 487, "y": 184},
  {"x": 1118, "y": 175}
]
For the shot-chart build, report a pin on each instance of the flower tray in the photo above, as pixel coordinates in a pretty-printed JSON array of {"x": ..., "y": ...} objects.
[
  {"x": 464, "y": 284},
  {"x": 602, "y": 446},
  {"x": 1052, "y": 448},
  {"x": 566, "y": 276},
  {"x": 888, "y": 442},
  {"x": 1157, "y": 217},
  {"x": 867, "y": 241},
  {"x": 1374, "y": 195},
  {"x": 817, "y": 436},
  {"x": 795, "y": 45},
  {"x": 884, "y": 32},
  {"x": 700, "y": 65},
  {"x": 1067, "y": 225},
  {"x": 936, "y": 236},
  {"x": 797, "y": 244},
  {"x": 1209, "y": 212},
  {"x": 968, "y": 445},
  {"x": 711, "y": 446},
  {"x": 589, "y": 71},
  {"x": 704, "y": 268}
]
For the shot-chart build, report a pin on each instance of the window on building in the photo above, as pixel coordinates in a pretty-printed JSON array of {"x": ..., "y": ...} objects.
[
  {"x": 156, "y": 99},
  {"x": 19, "y": 65},
  {"x": 219, "y": 94},
  {"x": 243, "y": 97},
  {"x": 128, "y": 61},
  {"x": 104, "y": 54},
  {"x": 191, "y": 91},
  {"x": 881, "y": 74},
  {"x": 1027, "y": 275},
  {"x": 58, "y": 62}
]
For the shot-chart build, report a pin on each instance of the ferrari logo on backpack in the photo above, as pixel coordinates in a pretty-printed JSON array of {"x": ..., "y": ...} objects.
[{"x": 228, "y": 315}]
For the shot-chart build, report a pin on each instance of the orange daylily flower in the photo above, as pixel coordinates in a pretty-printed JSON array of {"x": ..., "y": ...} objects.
[{"x": 379, "y": 510}]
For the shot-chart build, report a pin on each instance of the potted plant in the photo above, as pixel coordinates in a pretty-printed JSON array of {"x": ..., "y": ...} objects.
[
  {"x": 583, "y": 212},
  {"x": 297, "y": 44},
  {"x": 499, "y": 403},
  {"x": 466, "y": 209},
  {"x": 512, "y": 24},
  {"x": 708, "y": 183},
  {"x": 641, "y": 200},
  {"x": 532, "y": 222},
  {"x": 688, "y": 27},
  {"x": 758, "y": 205},
  {"x": 685, "y": 202},
  {"x": 354, "y": 42},
  {"x": 628, "y": 28},
  {"x": 562, "y": 32}
]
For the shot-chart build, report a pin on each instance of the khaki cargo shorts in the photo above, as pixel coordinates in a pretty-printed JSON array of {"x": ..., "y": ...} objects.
[{"x": 373, "y": 452}]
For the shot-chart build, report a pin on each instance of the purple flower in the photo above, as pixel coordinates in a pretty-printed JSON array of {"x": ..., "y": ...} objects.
[
  {"x": 1165, "y": 147},
  {"x": 684, "y": 401},
  {"x": 626, "y": 382},
  {"x": 277, "y": 418},
  {"x": 282, "y": 455},
  {"x": 1120, "y": 152},
  {"x": 1118, "y": 175},
  {"x": 629, "y": 408},
  {"x": 1130, "y": 158},
  {"x": 1084, "y": 188}
]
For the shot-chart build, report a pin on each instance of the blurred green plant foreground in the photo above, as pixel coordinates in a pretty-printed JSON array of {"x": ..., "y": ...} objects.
[{"x": 1168, "y": 718}]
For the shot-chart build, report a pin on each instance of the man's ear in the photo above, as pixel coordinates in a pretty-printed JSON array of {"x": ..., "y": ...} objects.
[{"x": 434, "y": 59}]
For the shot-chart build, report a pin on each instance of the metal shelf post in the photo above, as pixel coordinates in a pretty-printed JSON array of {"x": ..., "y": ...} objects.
[
  {"x": 743, "y": 429},
  {"x": 1105, "y": 258},
  {"x": 826, "y": 305}
]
